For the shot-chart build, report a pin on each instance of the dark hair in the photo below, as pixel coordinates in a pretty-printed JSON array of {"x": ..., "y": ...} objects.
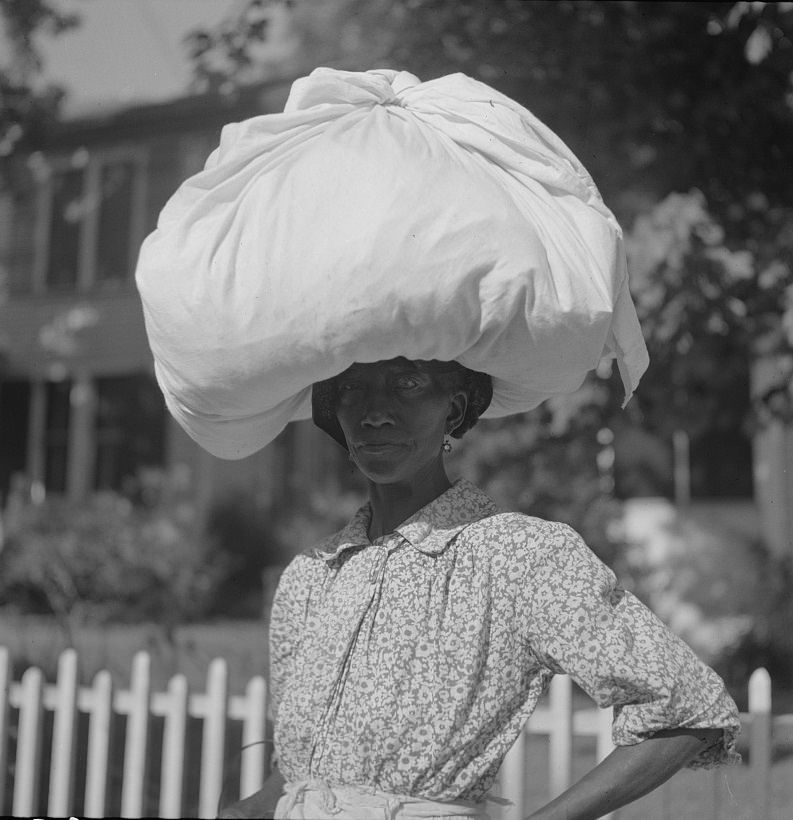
[{"x": 452, "y": 376}]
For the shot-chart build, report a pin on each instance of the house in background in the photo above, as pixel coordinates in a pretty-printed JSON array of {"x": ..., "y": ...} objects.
[{"x": 79, "y": 407}]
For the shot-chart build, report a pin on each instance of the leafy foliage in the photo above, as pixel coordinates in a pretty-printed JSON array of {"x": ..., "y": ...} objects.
[
  {"x": 109, "y": 559},
  {"x": 706, "y": 311},
  {"x": 227, "y": 56},
  {"x": 25, "y": 106}
]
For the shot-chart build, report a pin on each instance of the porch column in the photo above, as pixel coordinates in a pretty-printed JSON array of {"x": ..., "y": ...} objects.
[
  {"x": 80, "y": 476},
  {"x": 36, "y": 434}
]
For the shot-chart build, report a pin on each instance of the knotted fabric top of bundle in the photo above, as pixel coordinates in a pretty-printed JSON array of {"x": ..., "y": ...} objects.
[{"x": 376, "y": 217}]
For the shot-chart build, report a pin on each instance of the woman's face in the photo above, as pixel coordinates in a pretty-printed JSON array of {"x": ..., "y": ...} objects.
[{"x": 394, "y": 415}]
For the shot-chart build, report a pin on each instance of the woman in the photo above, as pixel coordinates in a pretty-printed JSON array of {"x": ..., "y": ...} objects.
[
  {"x": 394, "y": 258},
  {"x": 408, "y": 649}
]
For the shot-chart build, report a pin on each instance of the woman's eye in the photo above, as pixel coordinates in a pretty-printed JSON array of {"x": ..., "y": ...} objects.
[
  {"x": 346, "y": 387},
  {"x": 407, "y": 382}
]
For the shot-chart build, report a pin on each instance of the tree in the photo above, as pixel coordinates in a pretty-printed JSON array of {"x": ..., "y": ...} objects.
[{"x": 26, "y": 105}]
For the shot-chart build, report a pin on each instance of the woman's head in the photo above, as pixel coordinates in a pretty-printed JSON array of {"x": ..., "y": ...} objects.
[{"x": 393, "y": 415}]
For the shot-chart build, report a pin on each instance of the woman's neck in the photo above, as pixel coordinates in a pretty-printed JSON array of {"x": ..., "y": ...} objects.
[{"x": 394, "y": 503}]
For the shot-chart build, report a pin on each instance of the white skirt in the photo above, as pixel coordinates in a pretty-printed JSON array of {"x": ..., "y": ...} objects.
[{"x": 318, "y": 800}]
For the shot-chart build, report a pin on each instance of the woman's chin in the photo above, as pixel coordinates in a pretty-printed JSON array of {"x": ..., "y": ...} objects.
[
  {"x": 380, "y": 473},
  {"x": 394, "y": 468},
  {"x": 387, "y": 467}
]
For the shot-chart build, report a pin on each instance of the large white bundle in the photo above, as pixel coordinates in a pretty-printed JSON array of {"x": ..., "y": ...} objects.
[{"x": 377, "y": 217}]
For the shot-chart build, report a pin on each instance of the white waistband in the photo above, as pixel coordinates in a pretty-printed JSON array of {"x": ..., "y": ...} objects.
[{"x": 316, "y": 799}]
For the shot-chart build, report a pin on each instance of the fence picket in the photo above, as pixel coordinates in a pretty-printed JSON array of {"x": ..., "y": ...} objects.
[
  {"x": 254, "y": 751},
  {"x": 604, "y": 743},
  {"x": 173, "y": 748},
  {"x": 213, "y": 746},
  {"x": 512, "y": 777},
  {"x": 760, "y": 742},
  {"x": 561, "y": 751},
  {"x": 28, "y": 768},
  {"x": 133, "y": 790},
  {"x": 5, "y": 686},
  {"x": 100, "y": 727},
  {"x": 64, "y": 736}
]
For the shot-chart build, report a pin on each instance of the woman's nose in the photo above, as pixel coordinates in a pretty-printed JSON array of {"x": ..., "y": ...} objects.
[{"x": 376, "y": 411}]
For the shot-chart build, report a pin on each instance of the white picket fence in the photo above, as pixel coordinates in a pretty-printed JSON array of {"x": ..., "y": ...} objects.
[
  {"x": 66, "y": 700},
  {"x": 29, "y": 699}
]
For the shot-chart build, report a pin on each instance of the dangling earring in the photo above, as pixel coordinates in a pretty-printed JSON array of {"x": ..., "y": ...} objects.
[{"x": 447, "y": 445}]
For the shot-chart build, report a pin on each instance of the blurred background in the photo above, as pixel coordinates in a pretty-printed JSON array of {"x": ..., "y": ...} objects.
[{"x": 117, "y": 532}]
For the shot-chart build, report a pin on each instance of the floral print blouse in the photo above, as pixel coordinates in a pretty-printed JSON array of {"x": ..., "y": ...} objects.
[{"x": 410, "y": 663}]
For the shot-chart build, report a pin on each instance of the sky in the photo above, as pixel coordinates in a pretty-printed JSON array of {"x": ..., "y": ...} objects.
[{"x": 126, "y": 51}]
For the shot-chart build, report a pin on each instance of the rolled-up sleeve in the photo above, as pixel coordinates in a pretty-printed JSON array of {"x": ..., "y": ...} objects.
[{"x": 580, "y": 622}]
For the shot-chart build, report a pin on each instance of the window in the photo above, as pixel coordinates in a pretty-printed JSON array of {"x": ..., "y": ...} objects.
[
  {"x": 91, "y": 218},
  {"x": 129, "y": 429},
  {"x": 65, "y": 445},
  {"x": 14, "y": 422},
  {"x": 56, "y": 435},
  {"x": 114, "y": 240},
  {"x": 64, "y": 240}
]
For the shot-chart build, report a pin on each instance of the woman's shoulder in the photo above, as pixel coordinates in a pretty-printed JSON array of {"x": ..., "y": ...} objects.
[
  {"x": 535, "y": 549},
  {"x": 304, "y": 572},
  {"x": 520, "y": 531}
]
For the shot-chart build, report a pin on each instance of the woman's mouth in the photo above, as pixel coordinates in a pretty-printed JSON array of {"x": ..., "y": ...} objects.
[{"x": 375, "y": 448}]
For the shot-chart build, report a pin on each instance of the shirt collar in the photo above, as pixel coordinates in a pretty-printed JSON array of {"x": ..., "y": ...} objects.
[{"x": 429, "y": 530}]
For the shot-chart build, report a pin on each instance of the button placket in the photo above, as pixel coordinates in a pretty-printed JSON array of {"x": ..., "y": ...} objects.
[{"x": 378, "y": 567}]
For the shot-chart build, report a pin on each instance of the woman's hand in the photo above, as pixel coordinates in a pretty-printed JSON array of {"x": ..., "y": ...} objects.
[
  {"x": 627, "y": 774},
  {"x": 261, "y": 804}
]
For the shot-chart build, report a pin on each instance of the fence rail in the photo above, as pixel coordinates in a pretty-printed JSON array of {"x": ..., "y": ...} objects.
[
  {"x": 31, "y": 698},
  {"x": 30, "y": 706}
]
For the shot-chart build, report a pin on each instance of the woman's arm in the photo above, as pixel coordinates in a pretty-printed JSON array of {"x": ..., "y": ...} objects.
[
  {"x": 260, "y": 804},
  {"x": 627, "y": 774}
]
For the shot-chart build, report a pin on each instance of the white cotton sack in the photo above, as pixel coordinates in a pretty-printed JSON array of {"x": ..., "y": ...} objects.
[{"x": 380, "y": 216}]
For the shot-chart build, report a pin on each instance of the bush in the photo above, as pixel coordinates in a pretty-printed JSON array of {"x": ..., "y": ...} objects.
[{"x": 109, "y": 559}]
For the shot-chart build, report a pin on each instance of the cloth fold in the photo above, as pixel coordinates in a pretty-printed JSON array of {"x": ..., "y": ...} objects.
[
  {"x": 379, "y": 216},
  {"x": 328, "y": 86}
]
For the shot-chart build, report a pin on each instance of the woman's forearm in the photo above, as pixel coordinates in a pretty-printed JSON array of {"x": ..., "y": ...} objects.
[
  {"x": 260, "y": 804},
  {"x": 627, "y": 774}
]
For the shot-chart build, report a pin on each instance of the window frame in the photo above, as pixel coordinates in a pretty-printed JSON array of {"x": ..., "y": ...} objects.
[{"x": 92, "y": 162}]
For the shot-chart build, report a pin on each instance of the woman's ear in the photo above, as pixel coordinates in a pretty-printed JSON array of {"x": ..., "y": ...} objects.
[{"x": 459, "y": 406}]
